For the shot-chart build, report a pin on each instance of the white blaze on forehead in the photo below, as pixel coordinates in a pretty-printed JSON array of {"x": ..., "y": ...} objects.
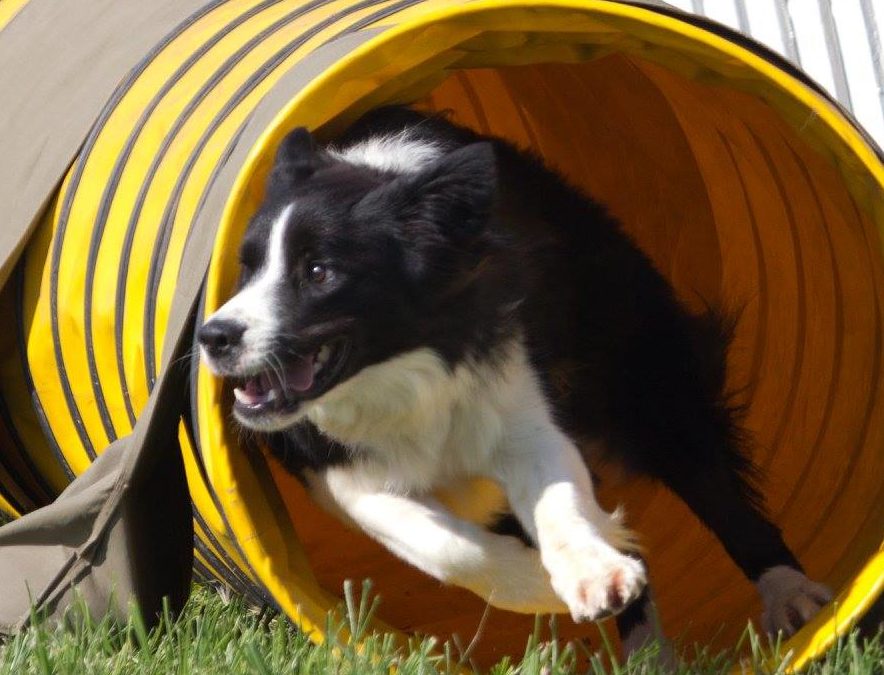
[
  {"x": 274, "y": 261},
  {"x": 254, "y": 305},
  {"x": 399, "y": 152}
]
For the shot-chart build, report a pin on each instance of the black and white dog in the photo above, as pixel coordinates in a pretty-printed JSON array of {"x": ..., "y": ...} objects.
[{"x": 422, "y": 309}]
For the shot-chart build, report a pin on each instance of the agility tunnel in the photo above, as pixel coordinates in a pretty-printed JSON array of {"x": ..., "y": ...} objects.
[{"x": 746, "y": 184}]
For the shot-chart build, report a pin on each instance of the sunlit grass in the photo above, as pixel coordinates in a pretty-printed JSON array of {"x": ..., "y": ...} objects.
[{"x": 219, "y": 634}]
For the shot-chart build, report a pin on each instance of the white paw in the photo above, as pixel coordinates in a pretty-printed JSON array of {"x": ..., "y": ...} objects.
[
  {"x": 790, "y": 599},
  {"x": 595, "y": 581}
]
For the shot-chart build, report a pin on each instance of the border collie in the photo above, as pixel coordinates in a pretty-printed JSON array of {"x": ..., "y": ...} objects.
[{"x": 421, "y": 309}]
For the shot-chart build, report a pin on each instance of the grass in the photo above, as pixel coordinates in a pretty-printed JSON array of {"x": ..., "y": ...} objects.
[{"x": 219, "y": 634}]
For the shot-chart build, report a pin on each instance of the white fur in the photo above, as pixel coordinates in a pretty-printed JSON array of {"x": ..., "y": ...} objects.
[
  {"x": 398, "y": 153},
  {"x": 252, "y": 307},
  {"x": 551, "y": 493},
  {"x": 420, "y": 530},
  {"x": 790, "y": 599},
  {"x": 418, "y": 427}
]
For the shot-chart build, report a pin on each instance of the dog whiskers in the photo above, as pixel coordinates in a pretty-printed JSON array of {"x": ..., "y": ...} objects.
[
  {"x": 186, "y": 356},
  {"x": 277, "y": 367}
]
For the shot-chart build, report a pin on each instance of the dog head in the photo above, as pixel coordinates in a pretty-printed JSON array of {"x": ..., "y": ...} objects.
[{"x": 344, "y": 265}]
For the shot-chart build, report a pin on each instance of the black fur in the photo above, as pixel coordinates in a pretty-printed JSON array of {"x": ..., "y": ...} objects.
[
  {"x": 624, "y": 361},
  {"x": 484, "y": 244}
]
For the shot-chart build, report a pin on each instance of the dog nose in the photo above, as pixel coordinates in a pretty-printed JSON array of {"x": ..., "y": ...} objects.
[{"x": 219, "y": 337}]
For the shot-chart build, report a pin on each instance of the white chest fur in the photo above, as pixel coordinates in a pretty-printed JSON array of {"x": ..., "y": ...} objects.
[
  {"x": 419, "y": 425},
  {"x": 424, "y": 434}
]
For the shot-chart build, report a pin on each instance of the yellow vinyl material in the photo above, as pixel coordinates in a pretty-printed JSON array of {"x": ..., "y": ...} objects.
[
  {"x": 9, "y": 9},
  {"x": 747, "y": 187}
]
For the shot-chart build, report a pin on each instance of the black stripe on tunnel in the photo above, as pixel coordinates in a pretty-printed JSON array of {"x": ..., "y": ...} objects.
[
  {"x": 42, "y": 419},
  {"x": 67, "y": 203},
  {"x": 104, "y": 206}
]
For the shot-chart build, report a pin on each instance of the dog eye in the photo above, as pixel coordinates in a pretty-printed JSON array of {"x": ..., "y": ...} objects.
[{"x": 317, "y": 273}]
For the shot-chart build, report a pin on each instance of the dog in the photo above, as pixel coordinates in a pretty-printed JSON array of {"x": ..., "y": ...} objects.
[{"x": 421, "y": 309}]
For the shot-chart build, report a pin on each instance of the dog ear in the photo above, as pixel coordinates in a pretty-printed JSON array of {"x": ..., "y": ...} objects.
[
  {"x": 437, "y": 210},
  {"x": 454, "y": 195},
  {"x": 297, "y": 158}
]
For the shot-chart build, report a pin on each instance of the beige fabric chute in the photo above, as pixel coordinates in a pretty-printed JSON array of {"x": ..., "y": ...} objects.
[{"x": 100, "y": 534}]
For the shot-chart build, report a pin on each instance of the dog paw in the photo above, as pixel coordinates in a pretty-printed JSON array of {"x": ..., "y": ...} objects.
[
  {"x": 790, "y": 599},
  {"x": 595, "y": 582}
]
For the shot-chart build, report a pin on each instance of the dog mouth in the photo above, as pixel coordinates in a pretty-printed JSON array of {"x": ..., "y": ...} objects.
[{"x": 284, "y": 385}]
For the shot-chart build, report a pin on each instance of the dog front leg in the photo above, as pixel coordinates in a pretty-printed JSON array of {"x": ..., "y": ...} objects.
[
  {"x": 550, "y": 492},
  {"x": 421, "y": 531}
]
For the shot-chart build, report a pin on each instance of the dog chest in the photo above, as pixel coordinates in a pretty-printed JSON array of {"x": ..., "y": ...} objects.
[{"x": 417, "y": 424}]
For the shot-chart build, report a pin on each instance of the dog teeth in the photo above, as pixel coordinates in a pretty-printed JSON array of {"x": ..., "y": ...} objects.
[
  {"x": 242, "y": 396},
  {"x": 253, "y": 400},
  {"x": 321, "y": 358}
]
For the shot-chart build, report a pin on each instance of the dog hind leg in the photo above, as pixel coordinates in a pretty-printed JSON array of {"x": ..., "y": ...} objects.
[{"x": 724, "y": 501}]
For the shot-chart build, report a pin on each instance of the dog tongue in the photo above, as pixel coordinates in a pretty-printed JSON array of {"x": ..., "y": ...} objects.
[{"x": 299, "y": 374}]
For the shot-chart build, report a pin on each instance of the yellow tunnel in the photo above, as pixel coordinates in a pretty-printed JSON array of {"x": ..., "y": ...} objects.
[{"x": 744, "y": 182}]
